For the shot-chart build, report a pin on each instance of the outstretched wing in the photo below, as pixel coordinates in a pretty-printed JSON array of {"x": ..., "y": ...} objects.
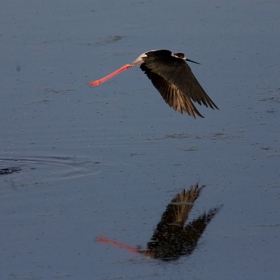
[{"x": 173, "y": 78}]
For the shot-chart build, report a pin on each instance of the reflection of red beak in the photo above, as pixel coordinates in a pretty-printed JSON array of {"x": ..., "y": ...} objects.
[{"x": 117, "y": 244}]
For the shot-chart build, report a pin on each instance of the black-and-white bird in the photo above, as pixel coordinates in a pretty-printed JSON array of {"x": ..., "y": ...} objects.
[{"x": 172, "y": 77}]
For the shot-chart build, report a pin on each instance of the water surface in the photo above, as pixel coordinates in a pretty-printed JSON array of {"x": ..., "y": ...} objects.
[{"x": 105, "y": 161}]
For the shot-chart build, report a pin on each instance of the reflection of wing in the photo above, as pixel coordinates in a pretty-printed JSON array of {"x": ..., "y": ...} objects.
[
  {"x": 171, "y": 239},
  {"x": 195, "y": 229},
  {"x": 178, "y": 209},
  {"x": 182, "y": 204},
  {"x": 172, "y": 221}
]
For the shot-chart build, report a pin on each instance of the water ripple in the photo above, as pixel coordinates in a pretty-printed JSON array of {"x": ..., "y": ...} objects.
[{"x": 51, "y": 167}]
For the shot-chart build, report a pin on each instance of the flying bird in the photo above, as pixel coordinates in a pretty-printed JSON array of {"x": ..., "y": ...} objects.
[{"x": 172, "y": 77}]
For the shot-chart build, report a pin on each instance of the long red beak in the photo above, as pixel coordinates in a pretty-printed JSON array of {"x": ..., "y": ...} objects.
[{"x": 102, "y": 80}]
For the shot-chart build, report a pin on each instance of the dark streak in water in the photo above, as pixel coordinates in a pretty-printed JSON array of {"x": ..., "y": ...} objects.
[
  {"x": 5, "y": 171},
  {"x": 104, "y": 41}
]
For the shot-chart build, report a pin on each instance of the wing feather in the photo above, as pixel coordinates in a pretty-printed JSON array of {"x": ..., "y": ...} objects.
[
  {"x": 171, "y": 94},
  {"x": 173, "y": 78}
]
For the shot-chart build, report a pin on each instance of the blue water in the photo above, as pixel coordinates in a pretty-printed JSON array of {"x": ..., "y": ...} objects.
[{"x": 106, "y": 161}]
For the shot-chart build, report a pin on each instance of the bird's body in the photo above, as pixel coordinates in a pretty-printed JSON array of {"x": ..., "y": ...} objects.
[{"x": 172, "y": 77}]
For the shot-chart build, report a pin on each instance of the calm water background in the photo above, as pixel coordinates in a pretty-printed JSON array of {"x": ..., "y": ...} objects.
[{"x": 106, "y": 161}]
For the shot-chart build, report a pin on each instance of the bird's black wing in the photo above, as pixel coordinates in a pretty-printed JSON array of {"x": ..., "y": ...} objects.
[{"x": 175, "y": 81}]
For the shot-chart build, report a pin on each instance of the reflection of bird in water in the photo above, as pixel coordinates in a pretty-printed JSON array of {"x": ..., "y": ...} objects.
[{"x": 171, "y": 239}]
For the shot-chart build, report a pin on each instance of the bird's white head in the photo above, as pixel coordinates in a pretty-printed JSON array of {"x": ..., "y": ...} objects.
[
  {"x": 180, "y": 55},
  {"x": 139, "y": 60}
]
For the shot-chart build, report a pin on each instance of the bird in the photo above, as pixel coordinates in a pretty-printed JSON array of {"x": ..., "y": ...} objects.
[{"x": 172, "y": 77}]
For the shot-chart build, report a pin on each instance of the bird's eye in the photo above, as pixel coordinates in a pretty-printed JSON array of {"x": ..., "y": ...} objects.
[{"x": 180, "y": 55}]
